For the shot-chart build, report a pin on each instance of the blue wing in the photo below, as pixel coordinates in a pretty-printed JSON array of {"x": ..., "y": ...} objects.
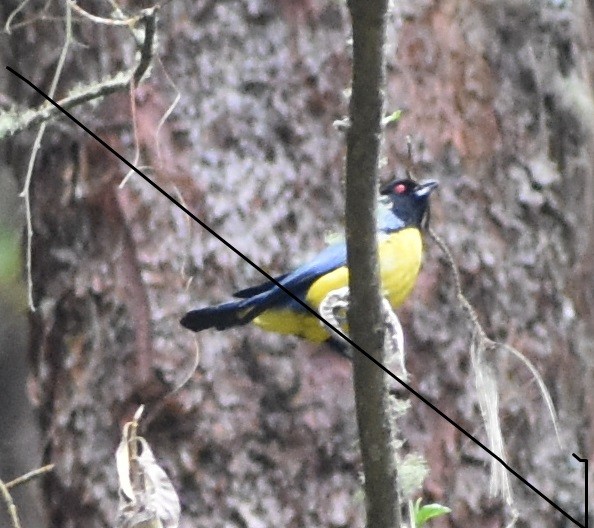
[
  {"x": 298, "y": 281},
  {"x": 255, "y": 290},
  {"x": 330, "y": 258}
]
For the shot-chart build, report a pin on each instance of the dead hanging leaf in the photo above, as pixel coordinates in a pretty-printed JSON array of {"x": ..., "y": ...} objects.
[
  {"x": 333, "y": 309},
  {"x": 147, "y": 497}
]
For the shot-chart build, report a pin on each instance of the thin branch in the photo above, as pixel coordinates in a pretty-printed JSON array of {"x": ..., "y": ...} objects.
[
  {"x": 23, "y": 479},
  {"x": 106, "y": 21},
  {"x": 364, "y": 315},
  {"x": 26, "y": 192},
  {"x": 5, "y": 487},
  {"x": 12, "y": 121},
  {"x": 135, "y": 131},
  {"x": 15, "y": 12},
  {"x": 486, "y": 385},
  {"x": 16, "y": 120},
  {"x": 10, "y": 505},
  {"x": 149, "y": 17},
  {"x": 167, "y": 112}
]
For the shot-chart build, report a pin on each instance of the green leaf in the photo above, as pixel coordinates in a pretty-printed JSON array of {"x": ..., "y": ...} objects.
[
  {"x": 392, "y": 118},
  {"x": 428, "y": 512}
]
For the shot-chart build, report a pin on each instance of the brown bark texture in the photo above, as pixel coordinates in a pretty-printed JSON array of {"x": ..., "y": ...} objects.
[{"x": 498, "y": 99}]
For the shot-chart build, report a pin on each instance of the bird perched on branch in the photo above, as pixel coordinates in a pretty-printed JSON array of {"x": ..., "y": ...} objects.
[{"x": 403, "y": 207}]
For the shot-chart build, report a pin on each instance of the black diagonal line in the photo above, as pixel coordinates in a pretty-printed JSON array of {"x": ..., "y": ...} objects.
[
  {"x": 302, "y": 303},
  {"x": 586, "y": 510}
]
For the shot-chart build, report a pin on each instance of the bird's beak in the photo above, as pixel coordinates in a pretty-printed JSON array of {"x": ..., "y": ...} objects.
[{"x": 425, "y": 188}]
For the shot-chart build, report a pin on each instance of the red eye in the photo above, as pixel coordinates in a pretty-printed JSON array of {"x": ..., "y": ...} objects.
[{"x": 399, "y": 188}]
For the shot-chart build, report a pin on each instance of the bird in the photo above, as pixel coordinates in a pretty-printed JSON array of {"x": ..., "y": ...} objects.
[{"x": 402, "y": 213}]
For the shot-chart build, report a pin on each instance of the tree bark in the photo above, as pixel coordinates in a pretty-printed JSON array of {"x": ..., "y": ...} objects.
[
  {"x": 497, "y": 97},
  {"x": 365, "y": 315}
]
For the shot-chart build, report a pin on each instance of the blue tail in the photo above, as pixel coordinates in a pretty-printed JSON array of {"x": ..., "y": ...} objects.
[
  {"x": 234, "y": 313},
  {"x": 220, "y": 317}
]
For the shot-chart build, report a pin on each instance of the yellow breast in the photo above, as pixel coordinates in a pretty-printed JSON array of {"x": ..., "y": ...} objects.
[
  {"x": 400, "y": 260},
  {"x": 400, "y": 256}
]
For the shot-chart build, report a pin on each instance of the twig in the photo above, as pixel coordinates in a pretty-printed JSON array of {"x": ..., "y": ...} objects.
[
  {"x": 14, "y": 121},
  {"x": 488, "y": 343},
  {"x": 135, "y": 131},
  {"x": 12, "y": 510},
  {"x": 15, "y": 12},
  {"x": 485, "y": 379},
  {"x": 106, "y": 21},
  {"x": 146, "y": 53},
  {"x": 5, "y": 487},
  {"x": 167, "y": 112},
  {"x": 464, "y": 302},
  {"x": 23, "y": 479},
  {"x": 40, "y": 15},
  {"x": 26, "y": 192},
  {"x": 149, "y": 17}
]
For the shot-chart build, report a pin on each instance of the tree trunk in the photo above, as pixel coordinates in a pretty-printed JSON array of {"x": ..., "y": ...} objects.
[
  {"x": 375, "y": 419},
  {"x": 497, "y": 97}
]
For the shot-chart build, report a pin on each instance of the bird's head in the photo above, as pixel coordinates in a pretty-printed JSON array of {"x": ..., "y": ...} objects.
[{"x": 408, "y": 200}]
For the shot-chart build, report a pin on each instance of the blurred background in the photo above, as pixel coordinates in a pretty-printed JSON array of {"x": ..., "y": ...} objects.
[{"x": 20, "y": 449}]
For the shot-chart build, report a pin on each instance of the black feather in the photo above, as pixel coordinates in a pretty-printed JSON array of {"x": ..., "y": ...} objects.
[{"x": 220, "y": 317}]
